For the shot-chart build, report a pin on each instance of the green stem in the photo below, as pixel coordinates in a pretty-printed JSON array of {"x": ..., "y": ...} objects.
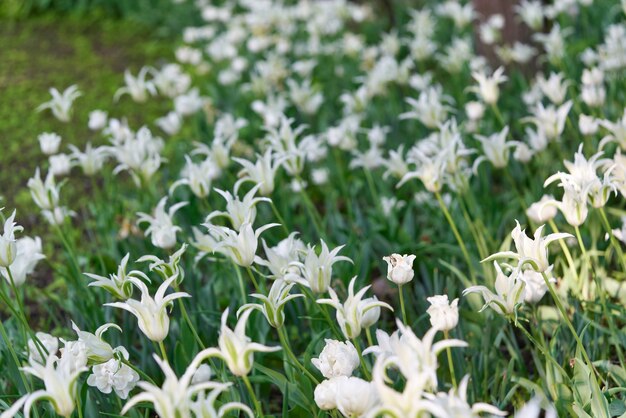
[
  {"x": 187, "y": 320},
  {"x": 478, "y": 236},
  {"x": 17, "y": 295},
  {"x": 311, "y": 208},
  {"x": 255, "y": 401},
  {"x": 450, "y": 362},
  {"x": 499, "y": 117},
  {"x": 616, "y": 246},
  {"x": 569, "y": 324},
  {"x": 285, "y": 342},
  {"x": 70, "y": 253},
  {"x": 322, "y": 309},
  {"x": 79, "y": 407},
  {"x": 404, "y": 318},
  {"x": 253, "y": 279},
  {"x": 541, "y": 348},
  {"x": 279, "y": 217},
  {"x": 163, "y": 351},
  {"x": 372, "y": 187},
  {"x": 368, "y": 334},
  {"x": 457, "y": 235},
  {"x": 20, "y": 314},
  {"x": 600, "y": 290},
  {"x": 565, "y": 249},
  {"x": 242, "y": 287},
  {"x": 357, "y": 345}
]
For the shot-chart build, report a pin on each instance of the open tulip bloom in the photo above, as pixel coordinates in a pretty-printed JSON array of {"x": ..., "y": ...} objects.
[
  {"x": 235, "y": 347},
  {"x": 151, "y": 313},
  {"x": 530, "y": 251}
]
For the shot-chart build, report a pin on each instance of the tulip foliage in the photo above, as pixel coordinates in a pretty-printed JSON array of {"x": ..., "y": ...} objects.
[{"x": 334, "y": 218}]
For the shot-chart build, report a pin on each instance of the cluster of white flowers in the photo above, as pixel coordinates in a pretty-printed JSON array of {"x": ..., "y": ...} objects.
[{"x": 308, "y": 103}]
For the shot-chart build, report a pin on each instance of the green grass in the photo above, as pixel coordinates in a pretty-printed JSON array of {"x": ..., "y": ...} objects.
[{"x": 58, "y": 51}]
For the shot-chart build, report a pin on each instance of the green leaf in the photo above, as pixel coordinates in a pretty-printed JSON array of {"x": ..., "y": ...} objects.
[{"x": 286, "y": 387}]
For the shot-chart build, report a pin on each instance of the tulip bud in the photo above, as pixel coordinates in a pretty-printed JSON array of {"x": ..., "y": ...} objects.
[
  {"x": 97, "y": 120},
  {"x": 400, "y": 268},
  {"x": 60, "y": 164},
  {"x": 443, "y": 315}
]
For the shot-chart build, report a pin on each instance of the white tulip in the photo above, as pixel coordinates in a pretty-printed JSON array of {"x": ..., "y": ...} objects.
[
  {"x": 97, "y": 120},
  {"x": 8, "y": 243},
  {"x": 162, "y": 229},
  {"x": 325, "y": 394},
  {"x": 235, "y": 348},
  {"x": 443, "y": 314},
  {"x": 351, "y": 313},
  {"x": 541, "y": 211},
  {"x": 531, "y": 251},
  {"x": 61, "y": 103},
  {"x": 337, "y": 359},
  {"x": 29, "y": 253},
  {"x": 151, "y": 313},
  {"x": 318, "y": 269},
  {"x": 400, "y": 268},
  {"x": 355, "y": 396},
  {"x": 49, "y": 143}
]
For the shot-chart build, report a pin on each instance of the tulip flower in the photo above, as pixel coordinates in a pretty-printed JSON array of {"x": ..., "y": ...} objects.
[
  {"x": 197, "y": 176},
  {"x": 162, "y": 229},
  {"x": 177, "y": 397},
  {"x": 318, "y": 269},
  {"x": 273, "y": 305},
  {"x": 113, "y": 375},
  {"x": 350, "y": 313},
  {"x": 98, "y": 350},
  {"x": 137, "y": 87},
  {"x": 235, "y": 348},
  {"x": 337, "y": 359},
  {"x": 239, "y": 212},
  {"x": 97, "y": 120},
  {"x": 61, "y": 103},
  {"x": 59, "y": 376},
  {"x": 49, "y": 143},
  {"x": 239, "y": 247},
  {"x": 443, "y": 314},
  {"x": 8, "y": 243},
  {"x": 400, "y": 268},
  {"x": 454, "y": 404},
  {"x": 531, "y": 251},
  {"x": 118, "y": 284},
  {"x": 151, "y": 312},
  {"x": 510, "y": 292},
  {"x": 487, "y": 88},
  {"x": 91, "y": 160},
  {"x": 262, "y": 172}
]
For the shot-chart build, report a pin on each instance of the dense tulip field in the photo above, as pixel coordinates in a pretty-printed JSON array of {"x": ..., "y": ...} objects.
[{"x": 347, "y": 212}]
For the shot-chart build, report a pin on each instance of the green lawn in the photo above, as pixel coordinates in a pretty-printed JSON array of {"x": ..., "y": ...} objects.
[{"x": 53, "y": 51}]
